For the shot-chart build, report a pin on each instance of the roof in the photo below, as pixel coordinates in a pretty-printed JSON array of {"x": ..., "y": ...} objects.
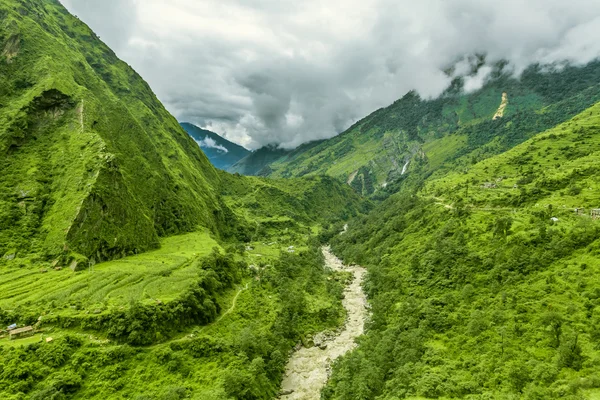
[{"x": 21, "y": 330}]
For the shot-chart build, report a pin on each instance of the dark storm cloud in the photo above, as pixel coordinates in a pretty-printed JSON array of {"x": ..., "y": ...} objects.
[{"x": 266, "y": 71}]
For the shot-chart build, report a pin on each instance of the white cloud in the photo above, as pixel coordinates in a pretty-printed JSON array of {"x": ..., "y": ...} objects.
[
  {"x": 211, "y": 144},
  {"x": 267, "y": 71}
]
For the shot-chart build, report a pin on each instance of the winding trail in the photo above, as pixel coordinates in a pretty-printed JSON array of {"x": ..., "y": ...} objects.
[
  {"x": 307, "y": 370},
  {"x": 232, "y": 304}
]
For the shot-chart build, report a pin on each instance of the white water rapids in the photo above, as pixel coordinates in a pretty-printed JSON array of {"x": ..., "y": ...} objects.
[{"x": 307, "y": 370}]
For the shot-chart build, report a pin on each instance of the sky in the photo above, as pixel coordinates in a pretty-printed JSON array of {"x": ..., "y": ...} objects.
[{"x": 285, "y": 72}]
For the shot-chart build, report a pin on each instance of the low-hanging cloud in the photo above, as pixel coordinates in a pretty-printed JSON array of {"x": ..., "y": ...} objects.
[
  {"x": 268, "y": 71},
  {"x": 209, "y": 143}
]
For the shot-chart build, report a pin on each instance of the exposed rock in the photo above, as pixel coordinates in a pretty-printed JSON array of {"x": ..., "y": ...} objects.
[
  {"x": 308, "y": 369},
  {"x": 12, "y": 47}
]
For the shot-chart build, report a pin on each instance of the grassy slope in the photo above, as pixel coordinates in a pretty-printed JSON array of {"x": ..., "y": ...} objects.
[
  {"x": 377, "y": 147},
  {"x": 229, "y": 349},
  {"x": 476, "y": 292},
  {"x": 91, "y": 161},
  {"x": 95, "y": 165}
]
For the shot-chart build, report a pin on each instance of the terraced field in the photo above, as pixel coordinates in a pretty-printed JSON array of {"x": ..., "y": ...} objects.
[{"x": 157, "y": 275}]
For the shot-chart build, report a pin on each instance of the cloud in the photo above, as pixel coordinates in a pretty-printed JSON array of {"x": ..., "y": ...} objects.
[
  {"x": 266, "y": 71},
  {"x": 211, "y": 144}
]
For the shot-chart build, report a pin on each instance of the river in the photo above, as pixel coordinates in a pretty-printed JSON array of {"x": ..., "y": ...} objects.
[{"x": 307, "y": 370}]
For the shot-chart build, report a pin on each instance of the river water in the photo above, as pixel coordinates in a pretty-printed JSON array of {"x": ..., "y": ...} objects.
[{"x": 308, "y": 369}]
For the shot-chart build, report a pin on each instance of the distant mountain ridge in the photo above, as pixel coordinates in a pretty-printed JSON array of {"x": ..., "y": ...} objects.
[
  {"x": 423, "y": 135},
  {"x": 221, "y": 152},
  {"x": 258, "y": 162}
]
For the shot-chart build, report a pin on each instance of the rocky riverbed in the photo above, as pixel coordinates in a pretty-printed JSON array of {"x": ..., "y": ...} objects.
[{"x": 308, "y": 369}]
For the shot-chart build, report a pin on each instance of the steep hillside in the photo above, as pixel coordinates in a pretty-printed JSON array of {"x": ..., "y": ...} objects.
[
  {"x": 221, "y": 152},
  {"x": 255, "y": 162},
  {"x": 485, "y": 282},
  {"x": 92, "y": 165},
  {"x": 282, "y": 207},
  {"x": 414, "y": 136},
  {"x": 184, "y": 281},
  {"x": 190, "y": 320}
]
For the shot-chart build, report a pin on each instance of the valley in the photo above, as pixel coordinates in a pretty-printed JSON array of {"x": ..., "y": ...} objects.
[
  {"x": 307, "y": 371},
  {"x": 441, "y": 247}
]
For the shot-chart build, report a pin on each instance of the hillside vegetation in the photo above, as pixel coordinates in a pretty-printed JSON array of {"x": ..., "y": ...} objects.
[
  {"x": 213, "y": 319},
  {"x": 419, "y": 136},
  {"x": 149, "y": 274},
  {"x": 93, "y": 166},
  {"x": 485, "y": 282},
  {"x": 145, "y": 272}
]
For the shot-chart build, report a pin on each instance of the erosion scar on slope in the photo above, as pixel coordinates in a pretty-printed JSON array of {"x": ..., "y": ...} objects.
[
  {"x": 307, "y": 370},
  {"x": 502, "y": 108}
]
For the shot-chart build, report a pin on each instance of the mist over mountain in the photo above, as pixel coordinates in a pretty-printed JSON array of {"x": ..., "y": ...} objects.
[
  {"x": 221, "y": 152},
  {"x": 262, "y": 72},
  {"x": 445, "y": 245}
]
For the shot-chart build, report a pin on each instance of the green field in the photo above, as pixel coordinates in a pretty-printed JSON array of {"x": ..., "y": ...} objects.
[{"x": 156, "y": 275}]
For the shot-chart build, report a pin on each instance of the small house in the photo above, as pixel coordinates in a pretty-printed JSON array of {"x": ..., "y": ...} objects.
[
  {"x": 595, "y": 213},
  {"x": 21, "y": 332}
]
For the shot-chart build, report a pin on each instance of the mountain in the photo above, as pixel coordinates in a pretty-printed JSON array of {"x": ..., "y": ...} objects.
[
  {"x": 415, "y": 133},
  {"x": 484, "y": 280},
  {"x": 255, "y": 162},
  {"x": 143, "y": 272},
  {"x": 221, "y": 152},
  {"x": 140, "y": 269},
  {"x": 93, "y": 166},
  {"x": 258, "y": 163}
]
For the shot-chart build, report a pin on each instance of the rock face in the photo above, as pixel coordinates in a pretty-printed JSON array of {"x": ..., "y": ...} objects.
[{"x": 308, "y": 369}]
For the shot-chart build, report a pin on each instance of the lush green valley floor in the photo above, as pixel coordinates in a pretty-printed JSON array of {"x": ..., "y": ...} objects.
[
  {"x": 148, "y": 274},
  {"x": 197, "y": 318}
]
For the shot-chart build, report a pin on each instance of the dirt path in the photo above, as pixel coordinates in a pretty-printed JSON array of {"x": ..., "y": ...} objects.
[
  {"x": 232, "y": 304},
  {"x": 307, "y": 370},
  {"x": 351, "y": 177}
]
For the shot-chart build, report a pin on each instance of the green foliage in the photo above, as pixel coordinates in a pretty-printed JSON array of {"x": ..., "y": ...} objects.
[
  {"x": 483, "y": 290},
  {"x": 91, "y": 161},
  {"x": 242, "y": 354}
]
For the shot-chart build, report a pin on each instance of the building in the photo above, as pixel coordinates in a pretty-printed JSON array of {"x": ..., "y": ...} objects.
[
  {"x": 21, "y": 332},
  {"x": 595, "y": 213}
]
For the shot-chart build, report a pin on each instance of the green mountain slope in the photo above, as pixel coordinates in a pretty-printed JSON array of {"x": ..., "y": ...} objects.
[
  {"x": 485, "y": 282},
  {"x": 94, "y": 172},
  {"x": 221, "y": 152},
  {"x": 255, "y": 162},
  {"x": 189, "y": 320},
  {"x": 416, "y": 136},
  {"x": 92, "y": 165}
]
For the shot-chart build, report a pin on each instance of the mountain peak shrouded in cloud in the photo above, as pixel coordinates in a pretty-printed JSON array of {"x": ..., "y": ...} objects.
[
  {"x": 221, "y": 152},
  {"x": 209, "y": 143},
  {"x": 260, "y": 72}
]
